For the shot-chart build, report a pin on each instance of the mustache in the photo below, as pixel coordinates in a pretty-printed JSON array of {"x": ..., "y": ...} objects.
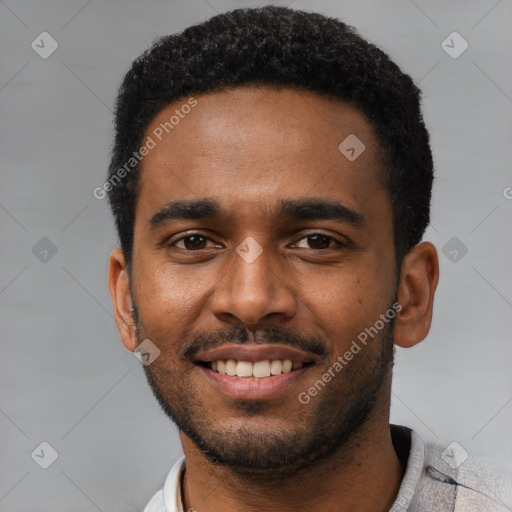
[{"x": 239, "y": 335}]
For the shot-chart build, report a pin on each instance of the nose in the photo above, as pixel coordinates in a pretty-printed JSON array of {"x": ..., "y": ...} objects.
[{"x": 253, "y": 289}]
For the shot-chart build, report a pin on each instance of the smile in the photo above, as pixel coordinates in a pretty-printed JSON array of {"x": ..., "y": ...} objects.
[
  {"x": 255, "y": 372},
  {"x": 257, "y": 369}
]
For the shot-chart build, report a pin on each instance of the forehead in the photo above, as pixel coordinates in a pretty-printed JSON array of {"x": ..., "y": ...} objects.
[{"x": 250, "y": 146}]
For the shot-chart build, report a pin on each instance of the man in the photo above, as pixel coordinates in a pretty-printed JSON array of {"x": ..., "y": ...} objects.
[{"x": 270, "y": 181}]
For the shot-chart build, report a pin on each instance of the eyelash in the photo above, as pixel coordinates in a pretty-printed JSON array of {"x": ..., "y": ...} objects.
[{"x": 340, "y": 244}]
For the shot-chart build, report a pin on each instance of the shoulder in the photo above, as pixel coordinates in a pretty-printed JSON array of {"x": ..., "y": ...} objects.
[
  {"x": 156, "y": 503},
  {"x": 168, "y": 499},
  {"x": 454, "y": 475},
  {"x": 445, "y": 477}
]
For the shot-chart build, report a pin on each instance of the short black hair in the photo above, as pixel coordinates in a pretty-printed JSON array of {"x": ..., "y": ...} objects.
[{"x": 279, "y": 47}]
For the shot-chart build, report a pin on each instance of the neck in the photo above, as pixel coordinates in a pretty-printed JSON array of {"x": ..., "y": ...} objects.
[{"x": 363, "y": 475}]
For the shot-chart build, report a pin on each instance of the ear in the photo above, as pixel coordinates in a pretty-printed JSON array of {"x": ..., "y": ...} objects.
[
  {"x": 416, "y": 289},
  {"x": 119, "y": 285}
]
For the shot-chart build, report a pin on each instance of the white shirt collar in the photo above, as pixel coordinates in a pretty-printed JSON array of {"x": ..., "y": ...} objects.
[
  {"x": 172, "y": 488},
  {"x": 412, "y": 475}
]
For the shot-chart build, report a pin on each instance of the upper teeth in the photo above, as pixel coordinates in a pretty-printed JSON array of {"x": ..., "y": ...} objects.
[{"x": 258, "y": 369}]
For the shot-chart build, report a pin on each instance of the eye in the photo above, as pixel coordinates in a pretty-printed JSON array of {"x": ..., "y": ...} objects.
[
  {"x": 315, "y": 241},
  {"x": 320, "y": 241},
  {"x": 191, "y": 242}
]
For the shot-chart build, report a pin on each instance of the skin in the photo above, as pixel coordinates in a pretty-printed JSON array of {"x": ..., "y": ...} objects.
[{"x": 248, "y": 148}]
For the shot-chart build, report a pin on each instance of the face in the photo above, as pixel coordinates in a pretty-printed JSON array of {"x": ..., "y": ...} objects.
[{"x": 257, "y": 240}]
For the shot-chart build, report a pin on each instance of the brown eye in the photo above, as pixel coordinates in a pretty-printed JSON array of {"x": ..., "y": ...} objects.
[
  {"x": 194, "y": 242},
  {"x": 319, "y": 241},
  {"x": 191, "y": 242}
]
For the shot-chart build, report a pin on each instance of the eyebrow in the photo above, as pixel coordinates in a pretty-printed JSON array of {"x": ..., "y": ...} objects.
[{"x": 298, "y": 209}]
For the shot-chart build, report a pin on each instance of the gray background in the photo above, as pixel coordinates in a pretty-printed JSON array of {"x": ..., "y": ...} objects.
[{"x": 65, "y": 377}]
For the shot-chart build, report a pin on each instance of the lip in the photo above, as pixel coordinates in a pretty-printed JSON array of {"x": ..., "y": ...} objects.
[
  {"x": 255, "y": 353},
  {"x": 251, "y": 388}
]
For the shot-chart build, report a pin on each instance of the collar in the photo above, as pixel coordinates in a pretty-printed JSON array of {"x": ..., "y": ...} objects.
[
  {"x": 402, "y": 436},
  {"x": 172, "y": 488},
  {"x": 414, "y": 466}
]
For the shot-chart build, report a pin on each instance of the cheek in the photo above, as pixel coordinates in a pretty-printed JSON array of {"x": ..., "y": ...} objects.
[
  {"x": 345, "y": 303},
  {"x": 167, "y": 300}
]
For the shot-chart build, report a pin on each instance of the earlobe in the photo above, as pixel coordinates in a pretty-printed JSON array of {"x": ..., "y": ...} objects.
[
  {"x": 416, "y": 289},
  {"x": 119, "y": 286}
]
